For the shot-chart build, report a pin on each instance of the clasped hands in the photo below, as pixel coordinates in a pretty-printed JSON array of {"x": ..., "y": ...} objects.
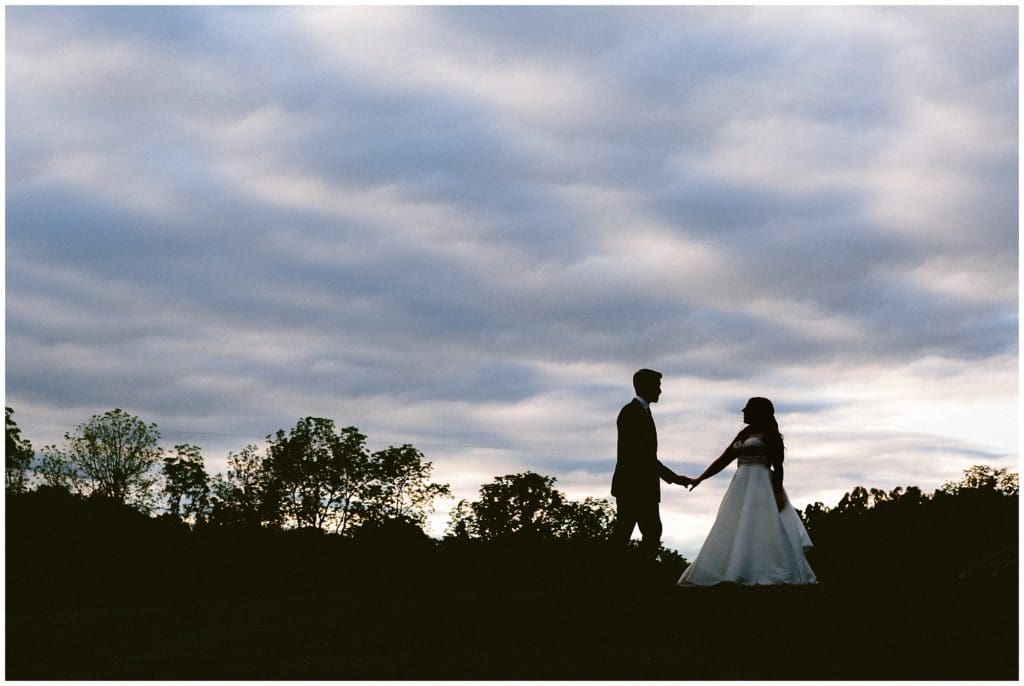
[{"x": 685, "y": 481}]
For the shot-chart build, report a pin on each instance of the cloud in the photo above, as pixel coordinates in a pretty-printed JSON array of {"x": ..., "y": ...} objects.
[{"x": 465, "y": 228}]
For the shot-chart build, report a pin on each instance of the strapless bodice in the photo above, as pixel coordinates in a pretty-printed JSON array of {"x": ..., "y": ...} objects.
[{"x": 751, "y": 450}]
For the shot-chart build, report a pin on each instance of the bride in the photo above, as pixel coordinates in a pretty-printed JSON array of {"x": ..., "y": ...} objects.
[{"x": 757, "y": 537}]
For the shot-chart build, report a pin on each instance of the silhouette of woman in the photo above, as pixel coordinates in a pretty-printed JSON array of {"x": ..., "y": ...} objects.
[{"x": 757, "y": 537}]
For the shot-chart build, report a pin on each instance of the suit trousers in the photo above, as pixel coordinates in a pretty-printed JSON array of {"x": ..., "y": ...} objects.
[{"x": 646, "y": 515}]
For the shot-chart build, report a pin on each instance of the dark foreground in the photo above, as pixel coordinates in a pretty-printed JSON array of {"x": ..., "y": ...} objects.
[
  {"x": 256, "y": 605},
  {"x": 823, "y": 634}
]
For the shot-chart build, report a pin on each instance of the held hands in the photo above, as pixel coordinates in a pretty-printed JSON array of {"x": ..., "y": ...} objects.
[{"x": 684, "y": 481}]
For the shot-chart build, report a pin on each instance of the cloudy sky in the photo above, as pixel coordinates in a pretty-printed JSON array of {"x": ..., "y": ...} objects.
[{"x": 465, "y": 227}]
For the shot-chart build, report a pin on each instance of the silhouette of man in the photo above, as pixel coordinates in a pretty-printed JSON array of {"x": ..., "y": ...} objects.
[{"x": 635, "y": 484}]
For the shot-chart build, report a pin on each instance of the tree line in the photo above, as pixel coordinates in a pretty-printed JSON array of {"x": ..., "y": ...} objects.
[
  {"x": 966, "y": 529},
  {"x": 321, "y": 477},
  {"x": 315, "y": 475}
]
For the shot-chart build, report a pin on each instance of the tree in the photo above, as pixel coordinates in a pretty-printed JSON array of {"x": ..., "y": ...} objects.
[
  {"x": 321, "y": 473},
  {"x": 321, "y": 477},
  {"x": 462, "y": 522},
  {"x": 19, "y": 456},
  {"x": 398, "y": 486},
  {"x": 246, "y": 493},
  {"x": 672, "y": 559},
  {"x": 528, "y": 503},
  {"x": 186, "y": 484},
  {"x": 984, "y": 478},
  {"x": 590, "y": 520},
  {"x": 518, "y": 503},
  {"x": 113, "y": 455},
  {"x": 854, "y": 501}
]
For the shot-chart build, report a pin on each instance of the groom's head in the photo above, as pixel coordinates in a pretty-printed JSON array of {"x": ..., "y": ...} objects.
[{"x": 647, "y": 384}]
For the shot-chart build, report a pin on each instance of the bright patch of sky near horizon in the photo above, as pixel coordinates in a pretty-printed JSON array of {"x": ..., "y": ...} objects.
[{"x": 465, "y": 227}]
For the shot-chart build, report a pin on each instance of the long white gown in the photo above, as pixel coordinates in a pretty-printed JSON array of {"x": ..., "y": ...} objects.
[{"x": 751, "y": 541}]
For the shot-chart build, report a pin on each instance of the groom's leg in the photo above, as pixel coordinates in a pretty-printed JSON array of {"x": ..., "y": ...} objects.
[
  {"x": 625, "y": 520},
  {"x": 649, "y": 519}
]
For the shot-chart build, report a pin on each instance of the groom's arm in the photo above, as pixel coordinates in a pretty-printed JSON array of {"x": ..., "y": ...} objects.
[
  {"x": 673, "y": 478},
  {"x": 628, "y": 437},
  {"x": 669, "y": 476}
]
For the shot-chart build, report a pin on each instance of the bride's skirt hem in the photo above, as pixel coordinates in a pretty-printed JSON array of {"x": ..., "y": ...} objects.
[{"x": 747, "y": 584}]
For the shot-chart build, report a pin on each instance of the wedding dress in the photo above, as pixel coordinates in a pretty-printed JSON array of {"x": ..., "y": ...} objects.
[{"x": 751, "y": 541}]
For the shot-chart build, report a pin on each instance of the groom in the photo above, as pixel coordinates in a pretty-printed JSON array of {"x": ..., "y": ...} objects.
[{"x": 637, "y": 468}]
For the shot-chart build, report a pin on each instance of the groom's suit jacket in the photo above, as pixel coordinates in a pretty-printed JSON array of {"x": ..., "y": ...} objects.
[{"x": 637, "y": 468}]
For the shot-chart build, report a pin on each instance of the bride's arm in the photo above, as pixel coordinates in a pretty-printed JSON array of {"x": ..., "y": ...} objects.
[
  {"x": 718, "y": 465},
  {"x": 777, "y": 474}
]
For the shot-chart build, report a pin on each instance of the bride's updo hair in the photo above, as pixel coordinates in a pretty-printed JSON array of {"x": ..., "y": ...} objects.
[{"x": 762, "y": 420}]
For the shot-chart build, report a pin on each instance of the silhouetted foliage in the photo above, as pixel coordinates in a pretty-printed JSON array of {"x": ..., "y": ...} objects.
[
  {"x": 398, "y": 487},
  {"x": 245, "y": 494},
  {"x": 187, "y": 484},
  {"x": 983, "y": 478},
  {"x": 855, "y": 501},
  {"x": 396, "y": 537},
  {"x": 327, "y": 478},
  {"x": 320, "y": 472},
  {"x": 321, "y": 477},
  {"x": 672, "y": 558},
  {"x": 114, "y": 455},
  {"x": 19, "y": 456},
  {"x": 528, "y": 504},
  {"x": 515, "y": 503},
  {"x": 872, "y": 535},
  {"x": 589, "y": 520}
]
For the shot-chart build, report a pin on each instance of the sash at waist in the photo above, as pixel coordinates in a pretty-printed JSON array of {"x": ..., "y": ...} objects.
[{"x": 753, "y": 459}]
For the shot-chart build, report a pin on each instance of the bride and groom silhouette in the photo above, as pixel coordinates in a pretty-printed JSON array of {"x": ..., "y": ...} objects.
[{"x": 757, "y": 537}]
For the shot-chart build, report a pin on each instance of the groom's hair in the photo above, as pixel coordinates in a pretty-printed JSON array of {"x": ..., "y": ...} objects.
[{"x": 645, "y": 377}]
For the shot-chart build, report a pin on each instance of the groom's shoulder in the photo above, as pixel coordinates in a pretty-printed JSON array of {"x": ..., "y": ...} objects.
[{"x": 629, "y": 408}]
